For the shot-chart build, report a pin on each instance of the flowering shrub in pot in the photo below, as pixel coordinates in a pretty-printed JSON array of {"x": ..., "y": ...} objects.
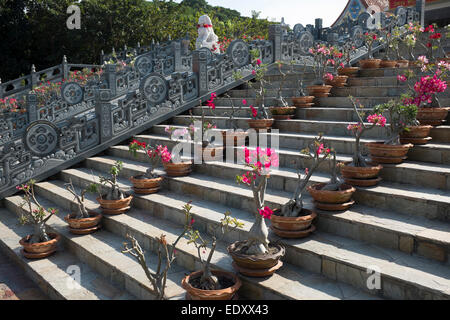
[
  {"x": 115, "y": 200},
  {"x": 359, "y": 172},
  {"x": 150, "y": 182},
  {"x": 40, "y": 244},
  {"x": 281, "y": 110},
  {"x": 333, "y": 195},
  {"x": 347, "y": 70},
  {"x": 83, "y": 221},
  {"x": 370, "y": 62},
  {"x": 302, "y": 100},
  {"x": 256, "y": 256},
  {"x": 320, "y": 54},
  {"x": 336, "y": 59},
  {"x": 386, "y": 38},
  {"x": 208, "y": 284}
]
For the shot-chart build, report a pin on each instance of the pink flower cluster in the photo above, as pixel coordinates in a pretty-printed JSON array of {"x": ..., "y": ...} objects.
[
  {"x": 260, "y": 160},
  {"x": 377, "y": 119},
  {"x": 426, "y": 87},
  {"x": 210, "y": 103},
  {"x": 401, "y": 78},
  {"x": 328, "y": 76},
  {"x": 266, "y": 212},
  {"x": 354, "y": 127}
]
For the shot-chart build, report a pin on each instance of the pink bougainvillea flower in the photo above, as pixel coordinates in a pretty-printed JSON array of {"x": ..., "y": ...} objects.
[
  {"x": 401, "y": 78},
  {"x": 244, "y": 102},
  {"x": 377, "y": 119},
  {"x": 258, "y": 62},
  {"x": 254, "y": 111}
]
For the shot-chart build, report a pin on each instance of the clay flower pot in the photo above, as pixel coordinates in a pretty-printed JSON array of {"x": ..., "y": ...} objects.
[
  {"x": 385, "y": 153},
  {"x": 41, "y": 249},
  {"x": 319, "y": 91},
  {"x": 257, "y": 265},
  {"x": 338, "y": 81},
  {"x": 234, "y": 136},
  {"x": 351, "y": 72},
  {"x": 260, "y": 123},
  {"x": 282, "y": 113},
  {"x": 178, "y": 169},
  {"x": 416, "y": 135},
  {"x": 303, "y": 102},
  {"x": 222, "y": 294},
  {"x": 293, "y": 227},
  {"x": 388, "y": 63},
  {"x": 84, "y": 225},
  {"x": 114, "y": 207},
  {"x": 332, "y": 200},
  {"x": 402, "y": 63},
  {"x": 142, "y": 185},
  {"x": 432, "y": 116},
  {"x": 370, "y": 63},
  {"x": 361, "y": 176}
]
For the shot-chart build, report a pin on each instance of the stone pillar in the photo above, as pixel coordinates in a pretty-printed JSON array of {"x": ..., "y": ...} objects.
[
  {"x": 32, "y": 107},
  {"x": 275, "y": 32},
  {"x": 33, "y": 77},
  {"x": 200, "y": 67},
  {"x": 319, "y": 24},
  {"x": 65, "y": 68},
  {"x": 104, "y": 116},
  {"x": 176, "y": 47},
  {"x": 110, "y": 74},
  {"x": 420, "y": 8}
]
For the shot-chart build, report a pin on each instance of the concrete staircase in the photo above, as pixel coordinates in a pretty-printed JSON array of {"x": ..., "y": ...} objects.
[{"x": 400, "y": 228}]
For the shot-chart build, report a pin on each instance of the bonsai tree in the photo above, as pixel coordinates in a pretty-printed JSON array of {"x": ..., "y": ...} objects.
[
  {"x": 259, "y": 161},
  {"x": 370, "y": 38},
  {"x": 294, "y": 207},
  {"x": 227, "y": 224},
  {"x": 156, "y": 155},
  {"x": 320, "y": 54},
  {"x": 35, "y": 213},
  {"x": 231, "y": 121},
  {"x": 280, "y": 101},
  {"x": 360, "y": 128},
  {"x": 82, "y": 211},
  {"x": 348, "y": 49},
  {"x": 337, "y": 59},
  {"x": 114, "y": 192},
  {"x": 166, "y": 254}
]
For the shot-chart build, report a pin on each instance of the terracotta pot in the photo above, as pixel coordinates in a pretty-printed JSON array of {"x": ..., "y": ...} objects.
[
  {"x": 143, "y": 185},
  {"x": 41, "y": 249},
  {"x": 338, "y": 81},
  {"x": 413, "y": 64},
  {"x": 178, "y": 169},
  {"x": 319, "y": 91},
  {"x": 416, "y": 135},
  {"x": 361, "y": 172},
  {"x": 83, "y": 223},
  {"x": 222, "y": 294},
  {"x": 114, "y": 207},
  {"x": 370, "y": 63},
  {"x": 384, "y": 153},
  {"x": 256, "y": 265},
  {"x": 281, "y": 111},
  {"x": 237, "y": 137},
  {"x": 351, "y": 72},
  {"x": 260, "y": 123},
  {"x": 402, "y": 63},
  {"x": 432, "y": 116},
  {"x": 388, "y": 63},
  {"x": 342, "y": 195},
  {"x": 303, "y": 102},
  {"x": 293, "y": 227},
  {"x": 333, "y": 206}
]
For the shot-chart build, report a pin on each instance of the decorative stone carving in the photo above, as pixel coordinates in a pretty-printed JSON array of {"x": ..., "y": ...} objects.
[
  {"x": 239, "y": 52},
  {"x": 206, "y": 36},
  {"x": 41, "y": 138},
  {"x": 72, "y": 93},
  {"x": 154, "y": 88}
]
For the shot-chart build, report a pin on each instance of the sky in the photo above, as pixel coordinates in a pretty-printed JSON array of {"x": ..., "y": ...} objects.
[{"x": 293, "y": 11}]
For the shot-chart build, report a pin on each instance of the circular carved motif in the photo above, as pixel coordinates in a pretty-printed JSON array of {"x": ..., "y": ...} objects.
[
  {"x": 298, "y": 28},
  {"x": 363, "y": 18},
  {"x": 154, "y": 88},
  {"x": 357, "y": 35},
  {"x": 144, "y": 65},
  {"x": 72, "y": 92},
  {"x": 400, "y": 12},
  {"x": 41, "y": 138},
  {"x": 305, "y": 40},
  {"x": 239, "y": 53}
]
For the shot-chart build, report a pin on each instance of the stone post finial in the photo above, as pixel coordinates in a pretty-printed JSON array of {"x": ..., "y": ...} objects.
[
  {"x": 153, "y": 41},
  {"x": 33, "y": 68},
  {"x": 65, "y": 68},
  {"x": 125, "y": 47},
  {"x": 138, "y": 44}
]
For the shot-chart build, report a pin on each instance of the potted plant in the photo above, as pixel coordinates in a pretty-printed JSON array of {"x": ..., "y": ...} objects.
[
  {"x": 302, "y": 100},
  {"x": 236, "y": 134},
  {"x": 259, "y": 116},
  {"x": 347, "y": 70},
  {"x": 83, "y": 221},
  {"x": 370, "y": 62},
  {"x": 207, "y": 284},
  {"x": 256, "y": 257},
  {"x": 41, "y": 243},
  {"x": 333, "y": 195},
  {"x": 166, "y": 255},
  {"x": 114, "y": 201},
  {"x": 400, "y": 115},
  {"x": 359, "y": 172},
  {"x": 292, "y": 220},
  {"x": 281, "y": 110},
  {"x": 398, "y": 37},
  {"x": 337, "y": 60},
  {"x": 183, "y": 167},
  {"x": 319, "y": 89},
  {"x": 386, "y": 38},
  {"x": 150, "y": 182}
]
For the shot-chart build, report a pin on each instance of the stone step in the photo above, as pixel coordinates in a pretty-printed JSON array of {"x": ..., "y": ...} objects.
[
  {"x": 374, "y": 81},
  {"x": 342, "y": 144},
  {"x": 52, "y": 274},
  {"x": 386, "y": 72},
  {"x": 363, "y": 223},
  {"x": 372, "y": 91},
  {"x": 102, "y": 252},
  {"x": 414, "y": 173},
  {"x": 402, "y": 276},
  {"x": 147, "y": 225},
  {"x": 368, "y": 102}
]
